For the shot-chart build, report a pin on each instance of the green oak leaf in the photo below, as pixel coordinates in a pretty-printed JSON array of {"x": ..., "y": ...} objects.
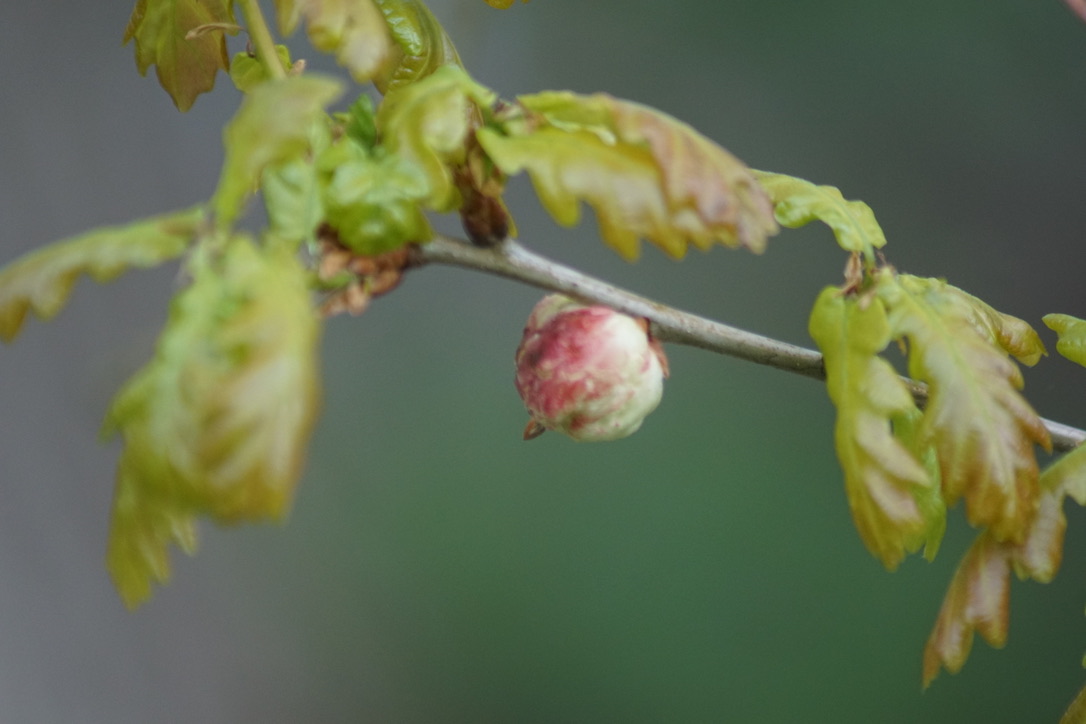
[
  {"x": 644, "y": 173},
  {"x": 981, "y": 426},
  {"x": 247, "y": 72},
  {"x": 428, "y": 124},
  {"x": 186, "y": 67},
  {"x": 884, "y": 481},
  {"x": 797, "y": 202},
  {"x": 929, "y": 498},
  {"x": 42, "y": 280},
  {"x": 421, "y": 45},
  {"x": 274, "y": 125},
  {"x": 1015, "y": 336},
  {"x": 353, "y": 30},
  {"x": 217, "y": 423},
  {"x": 373, "y": 199},
  {"x": 360, "y": 122},
  {"x": 1072, "y": 332}
]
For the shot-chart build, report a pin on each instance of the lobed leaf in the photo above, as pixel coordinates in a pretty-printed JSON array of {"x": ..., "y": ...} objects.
[
  {"x": 186, "y": 67},
  {"x": 883, "y": 479},
  {"x": 41, "y": 281},
  {"x": 645, "y": 174},
  {"x": 983, "y": 429},
  {"x": 353, "y": 30},
  {"x": 421, "y": 45},
  {"x": 1072, "y": 333},
  {"x": 797, "y": 202},
  {"x": 218, "y": 422},
  {"x": 374, "y": 200},
  {"x": 978, "y": 598},
  {"x": 274, "y": 125},
  {"x": 1015, "y": 336},
  {"x": 428, "y": 122}
]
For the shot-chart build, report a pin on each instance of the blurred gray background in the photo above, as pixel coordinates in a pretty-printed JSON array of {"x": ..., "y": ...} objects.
[{"x": 438, "y": 569}]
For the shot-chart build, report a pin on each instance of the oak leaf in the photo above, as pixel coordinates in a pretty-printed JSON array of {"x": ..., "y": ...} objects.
[
  {"x": 981, "y": 426},
  {"x": 1072, "y": 332},
  {"x": 217, "y": 423},
  {"x": 883, "y": 479},
  {"x": 42, "y": 280},
  {"x": 353, "y": 30},
  {"x": 644, "y": 173},
  {"x": 185, "y": 66},
  {"x": 420, "y": 44},
  {"x": 797, "y": 202},
  {"x": 274, "y": 125}
]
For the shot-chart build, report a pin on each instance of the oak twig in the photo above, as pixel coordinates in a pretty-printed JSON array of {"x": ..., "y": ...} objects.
[{"x": 513, "y": 261}]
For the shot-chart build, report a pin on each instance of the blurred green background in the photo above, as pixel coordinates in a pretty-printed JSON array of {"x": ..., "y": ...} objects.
[{"x": 438, "y": 569}]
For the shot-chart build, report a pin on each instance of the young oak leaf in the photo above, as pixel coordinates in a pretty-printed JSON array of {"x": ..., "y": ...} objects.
[
  {"x": 247, "y": 72},
  {"x": 420, "y": 44},
  {"x": 797, "y": 202},
  {"x": 981, "y": 426},
  {"x": 218, "y": 422},
  {"x": 1072, "y": 333},
  {"x": 373, "y": 199},
  {"x": 354, "y": 30},
  {"x": 883, "y": 479},
  {"x": 1014, "y": 335},
  {"x": 644, "y": 173},
  {"x": 978, "y": 598},
  {"x": 185, "y": 66},
  {"x": 42, "y": 280},
  {"x": 428, "y": 123},
  {"x": 273, "y": 125}
]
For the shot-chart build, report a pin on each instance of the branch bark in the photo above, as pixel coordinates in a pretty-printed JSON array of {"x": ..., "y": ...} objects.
[{"x": 513, "y": 261}]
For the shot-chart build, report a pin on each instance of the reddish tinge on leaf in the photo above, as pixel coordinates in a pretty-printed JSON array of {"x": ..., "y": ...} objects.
[
  {"x": 982, "y": 428},
  {"x": 979, "y": 595},
  {"x": 185, "y": 66},
  {"x": 978, "y": 600},
  {"x": 644, "y": 173}
]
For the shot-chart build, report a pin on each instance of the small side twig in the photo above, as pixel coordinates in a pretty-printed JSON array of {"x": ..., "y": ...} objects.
[{"x": 513, "y": 261}]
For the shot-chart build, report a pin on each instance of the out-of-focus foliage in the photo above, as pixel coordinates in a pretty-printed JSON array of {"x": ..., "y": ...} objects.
[
  {"x": 273, "y": 125},
  {"x": 217, "y": 423},
  {"x": 42, "y": 280}
]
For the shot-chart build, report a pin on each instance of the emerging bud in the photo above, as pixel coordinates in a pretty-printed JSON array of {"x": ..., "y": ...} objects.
[{"x": 587, "y": 371}]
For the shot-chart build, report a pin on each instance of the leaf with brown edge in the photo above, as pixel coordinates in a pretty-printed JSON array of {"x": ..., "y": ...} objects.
[
  {"x": 981, "y": 426},
  {"x": 645, "y": 174},
  {"x": 42, "y": 280},
  {"x": 797, "y": 202},
  {"x": 1072, "y": 332},
  {"x": 186, "y": 67},
  {"x": 217, "y": 423},
  {"x": 420, "y": 44},
  {"x": 1014, "y": 335},
  {"x": 883, "y": 479},
  {"x": 978, "y": 599}
]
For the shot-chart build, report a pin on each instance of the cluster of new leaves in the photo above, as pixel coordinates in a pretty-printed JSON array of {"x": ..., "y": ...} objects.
[
  {"x": 974, "y": 439},
  {"x": 217, "y": 423}
]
